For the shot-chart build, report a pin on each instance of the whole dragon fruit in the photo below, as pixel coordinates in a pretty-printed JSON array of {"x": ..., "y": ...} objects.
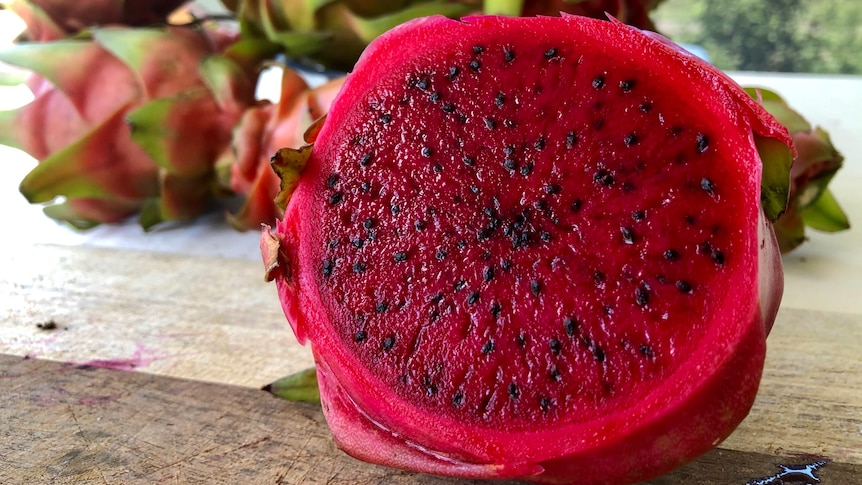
[
  {"x": 533, "y": 247},
  {"x": 55, "y": 19},
  {"x": 333, "y": 34},
  {"x": 262, "y": 130},
  {"x": 811, "y": 202},
  {"x": 129, "y": 120}
]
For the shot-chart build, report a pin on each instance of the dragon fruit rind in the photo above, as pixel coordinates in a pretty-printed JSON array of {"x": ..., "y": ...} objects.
[{"x": 532, "y": 247}]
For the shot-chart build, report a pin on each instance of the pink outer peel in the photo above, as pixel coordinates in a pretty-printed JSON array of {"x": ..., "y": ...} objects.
[{"x": 686, "y": 415}]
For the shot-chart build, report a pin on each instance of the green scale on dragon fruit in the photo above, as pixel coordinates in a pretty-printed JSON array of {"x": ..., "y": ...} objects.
[{"x": 533, "y": 247}]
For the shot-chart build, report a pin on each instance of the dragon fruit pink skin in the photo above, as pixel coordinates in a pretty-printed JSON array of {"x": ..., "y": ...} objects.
[
  {"x": 261, "y": 131},
  {"x": 145, "y": 138},
  {"x": 541, "y": 257}
]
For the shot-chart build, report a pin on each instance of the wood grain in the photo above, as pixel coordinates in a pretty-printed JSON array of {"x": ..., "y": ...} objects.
[
  {"x": 65, "y": 424},
  {"x": 215, "y": 324},
  {"x": 201, "y": 318}
]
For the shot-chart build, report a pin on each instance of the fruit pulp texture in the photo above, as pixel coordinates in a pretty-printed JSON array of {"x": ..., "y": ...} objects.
[{"x": 547, "y": 249}]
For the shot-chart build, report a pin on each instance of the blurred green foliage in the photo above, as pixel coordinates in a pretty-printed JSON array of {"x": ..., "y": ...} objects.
[{"x": 818, "y": 36}]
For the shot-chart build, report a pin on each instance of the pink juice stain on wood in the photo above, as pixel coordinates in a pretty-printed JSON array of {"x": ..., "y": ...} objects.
[{"x": 142, "y": 357}]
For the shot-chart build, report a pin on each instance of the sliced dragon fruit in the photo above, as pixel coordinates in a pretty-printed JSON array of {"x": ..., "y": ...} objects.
[{"x": 533, "y": 247}]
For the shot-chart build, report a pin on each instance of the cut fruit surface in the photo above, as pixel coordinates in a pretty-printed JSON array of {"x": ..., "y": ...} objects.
[{"x": 533, "y": 248}]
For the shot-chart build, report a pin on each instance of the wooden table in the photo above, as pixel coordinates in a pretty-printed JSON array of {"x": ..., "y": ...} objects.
[{"x": 132, "y": 358}]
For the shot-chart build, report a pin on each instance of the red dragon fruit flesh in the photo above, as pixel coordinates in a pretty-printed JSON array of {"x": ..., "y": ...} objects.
[{"x": 531, "y": 247}]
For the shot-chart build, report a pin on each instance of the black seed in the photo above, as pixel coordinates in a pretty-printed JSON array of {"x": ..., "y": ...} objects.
[
  {"x": 328, "y": 266},
  {"x": 638, "y": 215},
  {"x": 702, "y": 143},
  {"x": 646, "y": 351},
  {"x": 473, "y": 297},
  {"x": 430, "y": 387},
  {"x": 460, "y": 285},
  {"x": 332, "y": 180},
  {"x": 365, "y": 186},
  {"x": 358, "y": 242},
  {"x": 599, "y": 353},
  {"x": 475, "y": 65},
  {"x": 458, "y": 399},
  {"x": 505, "y": 264},
  {"x": 510, "y": 123},
  {"x": 628, "y": 235},
  {"x": 514, "y": 392},
  {"x": 400, "y": 257},
  {"x": 475, "y": 189},
  {"x": 495, "y": 309},
  {"x": 386, "y": 118},
  {"x": 535, "y": 287},
  {"x": 555, "y": 345},
  {"x": 360, "y": 336},
  {"x": 477, "y": 49},
  {"x": 645, "y": 107},
  {"x": 541, "y": 205},
  {"x": 545, "y": 404},
  {"x": 671, "y": 255},
  {"x": 335, "y": 198},
  {"x": 539, "y": 144},
  {"x": 333, "y": 243},
  {"x": 508, "y": 54},
  {"x": 434, "y": 97},
  {"x": 359, "y": 267},
  {"x": 422, "y": 84},
  {"x": 546, "y": 236},
  {"x": 718, "y": 257},
  {"x": 627, "y": 85},
  {"x": 441, "y": 254},
  {"x": 490, "y": 123},
  {"x": 469, "y": 161},
  {"x": 453, "y": 72},
  {"x": 488, "y": 273},
  {"x": 419, "y": 225},
  {"x": 394, "y": 209},
  {"x": 551, "y": 53},
  {"x": 388, "y": 343},
  {"x": 510, "y": 164},
  {"x": 553, "y": 189},
  {"x": 499, "y": 99},
  {"x": 642, "y": 295},
  {"x": 683, "y": 286},
  {"x": 427, "y": 151},
  {"x": 448, "y": 108},
  {"x": 437, "y": 168},
  {"x": 570, "y": 325},
  {"x": 527, "y": 168},
  {"x": 521, "y": 339},
  {"x": 598, "y": 278},
  {"x": 488, "y": 347},
  {"x": 576, "y": 205},
  {"x": 707, "y": 186},
  {"x": 368, "y": 223},
  {"x": 381, "y": 307},
  {"x": 599, "y": 82},
  {"x": 630, "y": 139},
  {"x": 571, "y": 139},
  {"x": 604, "y": 177},
  {"x": 554, "y": 374}
]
